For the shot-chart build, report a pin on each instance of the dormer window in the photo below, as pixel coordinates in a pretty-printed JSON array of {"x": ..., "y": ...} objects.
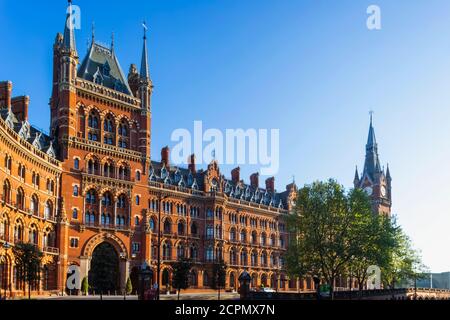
[
  {"x": 106, "y": 69},
  {"x": 98, "y": 78}
]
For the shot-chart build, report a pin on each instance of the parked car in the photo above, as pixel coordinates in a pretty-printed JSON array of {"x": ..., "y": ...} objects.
[{"x": 268, "y": 290}]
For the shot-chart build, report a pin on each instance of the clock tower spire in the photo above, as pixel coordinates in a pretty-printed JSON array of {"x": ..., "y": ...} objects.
[{"x": 374, "y": 181}]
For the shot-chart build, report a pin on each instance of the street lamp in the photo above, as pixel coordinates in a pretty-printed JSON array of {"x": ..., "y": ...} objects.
[{"x": 158, "y": 268}]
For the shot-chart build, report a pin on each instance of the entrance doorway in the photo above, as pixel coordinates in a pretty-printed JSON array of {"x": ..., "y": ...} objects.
[{"x": 104, "y": 272}]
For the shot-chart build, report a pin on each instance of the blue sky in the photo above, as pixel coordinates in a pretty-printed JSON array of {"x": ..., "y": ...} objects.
[{"x": 309, "y": 68}]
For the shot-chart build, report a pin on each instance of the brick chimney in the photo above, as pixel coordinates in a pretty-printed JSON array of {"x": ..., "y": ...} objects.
[
  {"x": 236, "y": 175},
  {"x": 270, "y": 184},
  {"x": 165, "y": 152},
  {"x": 5, "y": 94},
  {"x": 19, "y": 106},
  {"x": 191, "y": 162},
  {"x": 254, "y": 180}
]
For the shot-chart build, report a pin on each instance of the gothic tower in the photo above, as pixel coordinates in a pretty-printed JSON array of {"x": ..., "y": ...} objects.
[{"x": 374, "y": 180}]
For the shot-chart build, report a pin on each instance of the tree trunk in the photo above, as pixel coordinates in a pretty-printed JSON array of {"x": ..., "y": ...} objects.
[
  {"x": 29, "y": 290},
  {"x": 179, "y": 293}
]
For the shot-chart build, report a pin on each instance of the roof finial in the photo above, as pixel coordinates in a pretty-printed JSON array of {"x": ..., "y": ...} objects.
[
  {"x": 371, "y": 112},
  {"x": 144, "y": 24},
  {"x": 145, "y": 73},
  {"x": 112, "y": 42},
  {"x": 93, "y": 32}
]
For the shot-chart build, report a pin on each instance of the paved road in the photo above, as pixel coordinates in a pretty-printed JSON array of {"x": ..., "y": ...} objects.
[{"x": 191, "y": 296}]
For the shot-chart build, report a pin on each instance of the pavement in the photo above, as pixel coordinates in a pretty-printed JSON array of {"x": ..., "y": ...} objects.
[{"x": 164, "y": 297}]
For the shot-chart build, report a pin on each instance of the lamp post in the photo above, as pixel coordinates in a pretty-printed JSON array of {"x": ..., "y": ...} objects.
[{"x": 158, "y": 268}]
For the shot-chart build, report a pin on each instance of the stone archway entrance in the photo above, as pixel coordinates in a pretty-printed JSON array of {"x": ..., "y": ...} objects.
[{"x": 104, "y": 274}]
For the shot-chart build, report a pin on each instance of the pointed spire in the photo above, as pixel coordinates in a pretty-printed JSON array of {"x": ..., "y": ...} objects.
[
  {"x": 371, "y": 141},
  {"x": 145, "y": 74},
  {"x": 112, "y": 43},
  {"x": 388, "y": 173},
  {"x": 356, "y": 174},
  {"x": 69, "y": 30},
  {"x": 372, "y": 163},
  {"x": 93, "y": 32}
]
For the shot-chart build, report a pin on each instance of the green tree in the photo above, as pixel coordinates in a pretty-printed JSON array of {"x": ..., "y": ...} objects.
[
  {"x": 403, "y": 262},
  {"x": 129, "y": 287},
  {"x": 374, "y": 244},
  {"x": 85, "y": 286},
  {"x": 181, "y": 271},
  {"x": 28, "y": 260},
  {"x": 219, "y": 275},
  {"x": 326, "y": 228}
]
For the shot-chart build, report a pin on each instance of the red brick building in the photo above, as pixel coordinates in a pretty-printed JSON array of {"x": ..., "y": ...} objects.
[{"x": 91, "y": 183}]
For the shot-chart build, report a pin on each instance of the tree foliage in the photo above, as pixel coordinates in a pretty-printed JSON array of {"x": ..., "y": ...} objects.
[
  {"x": 85, "y": 286},
  {"x": 28, "y": 260},
  {"x": 181, "y": 272},
  {"x": 129, "y": 287},
  {"x": 335, "y": 233}
]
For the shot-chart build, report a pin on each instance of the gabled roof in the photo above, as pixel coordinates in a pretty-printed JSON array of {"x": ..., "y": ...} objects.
[
  {"x": 103, "y": 60},
  {"x": 33, "y": 135}
]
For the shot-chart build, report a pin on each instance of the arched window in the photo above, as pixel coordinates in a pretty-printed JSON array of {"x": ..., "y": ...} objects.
[
  {"x": 254, "y": 237},
  {"x": 108, "y": 124},
  {"x": 122, "y": 202},
  {"x": 138, "y": 176},
  {"x": 194, "y": 230},
  {"x": 209, "y": 254},
  {"x": 205, "y": 279},
  {"x": 76, "y": 164},
  {"x": 20, "y": 199},
  {"x": 233, "y": 234},
  {"x": 152, "y": 224},
  {"x": 48, "y": 209},
  {"x": 136, "y": 221},
  {"x": 34, "y": 205},
  {"x": 106, "y": 199},
  {"x": 75, "y": 214},
  {"x": 167, "y": 226},
  {"x": 193, "y": 254},
  {"x": 264, "y": 259},
  {"x": 193, "y": 279},
  {"x": 263, "y": 239},
  {"x": 233, "y": 258},
  {"x": 167, "y": 251},
  {"x": 93, "y": 120},
  {"x": 254, "y": 259},
  {"x": 243, "y": 236},
  {"x": 108, "y": 128},
  {"x": 138, "y": 200},
  {"x": 18, "y": 232},
  {"x": 180, "y": 251},
  {"x": 180, "y": 228},
  {"x": 75, "y": 191},
  {"x": 6, "y": 191},
  {"x": 244, "y": 257},
  {"x": 33, "y": 235},
  {"x": 91, "y": 197}
]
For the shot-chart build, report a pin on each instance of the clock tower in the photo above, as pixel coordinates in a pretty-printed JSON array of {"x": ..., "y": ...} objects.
[{"x": 375, "y": 181}]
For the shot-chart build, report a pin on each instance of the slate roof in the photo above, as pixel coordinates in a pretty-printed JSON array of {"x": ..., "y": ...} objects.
[
  {"x": 183, "y": 177},
  {"x": 29, "y": 133},
  {"x": 102, "y": 62}
]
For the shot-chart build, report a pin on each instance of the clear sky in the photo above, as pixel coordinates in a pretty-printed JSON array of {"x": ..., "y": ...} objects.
[{"x": 309, "y": 68}]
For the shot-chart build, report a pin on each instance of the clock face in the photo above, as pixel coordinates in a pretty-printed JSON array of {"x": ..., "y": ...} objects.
[
  {"x": 368, "y": 190},
  {"x": 383, "y": 191}
]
